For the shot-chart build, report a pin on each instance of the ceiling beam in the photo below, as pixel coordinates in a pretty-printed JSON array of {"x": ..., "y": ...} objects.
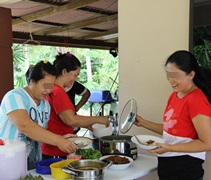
[
  {"x": 8, "y": 1},
  {"x": 21, "y": 38},
  {"x": 99, "y": 34},
  {"x": 51, "y": 11},
  {"x": 78, "y": 25}
]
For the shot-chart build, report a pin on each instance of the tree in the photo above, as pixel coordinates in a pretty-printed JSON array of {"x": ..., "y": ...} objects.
[
  {"x": 202, "y": 46},
  {"x": 19, "y": 67},
  {"x": 104, "y": 67}
]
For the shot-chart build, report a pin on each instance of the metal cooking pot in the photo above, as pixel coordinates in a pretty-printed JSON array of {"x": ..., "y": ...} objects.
[
  {"x": 118, "y": 144},
  {"x": 122, "y": 144},
  {"x": 87, "y": 169}
]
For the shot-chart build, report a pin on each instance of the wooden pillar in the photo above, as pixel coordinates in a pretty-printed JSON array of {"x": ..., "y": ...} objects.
[{"x": 6, "y": 59}]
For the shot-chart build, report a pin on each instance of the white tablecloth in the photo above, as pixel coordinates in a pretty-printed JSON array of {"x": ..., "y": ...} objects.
[{"x": 142, "y": 166}]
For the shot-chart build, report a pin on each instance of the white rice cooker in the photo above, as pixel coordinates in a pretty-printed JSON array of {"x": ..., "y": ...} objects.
[{"x": 13, "y": 160}]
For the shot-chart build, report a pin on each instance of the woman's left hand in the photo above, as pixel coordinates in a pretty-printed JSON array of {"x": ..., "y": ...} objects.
[
  {"x": 69, "y": 135},
  {"x": 162, "y": 148}
]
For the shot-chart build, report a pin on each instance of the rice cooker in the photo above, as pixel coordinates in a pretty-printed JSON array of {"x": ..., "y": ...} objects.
[
  {"x": 13, "y": 160},
  {"x": 122, "y": 144}
]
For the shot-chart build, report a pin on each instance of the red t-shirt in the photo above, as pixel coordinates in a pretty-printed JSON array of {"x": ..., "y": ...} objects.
[
  {"x": 179, "y": 113},
  {"x": 59, "y": 102}
]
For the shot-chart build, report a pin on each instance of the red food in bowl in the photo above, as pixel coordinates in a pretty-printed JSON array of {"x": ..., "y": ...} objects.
[{"x": 74, "y": 156}]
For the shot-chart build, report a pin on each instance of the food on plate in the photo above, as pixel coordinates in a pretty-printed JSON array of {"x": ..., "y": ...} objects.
[
  {"x": 150, "y": 142},
  {"x": 118, "y": 159},
  {"x": 147, "y": 141},
  {"x": 88, "y": 153},
  {"x": 81, "y": 142},
  {"x": 120, "y": 162}
]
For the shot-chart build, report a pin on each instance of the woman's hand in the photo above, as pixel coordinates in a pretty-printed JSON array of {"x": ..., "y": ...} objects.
[
  {"x": 138, "y": 120},
  {"x": 66, "y": 145},
  {"x": 162, "y": 148},
  {"x": 69, "y": 135},
  {"x": 105, "y": 121},
  {"x": 89, "y": 128}
]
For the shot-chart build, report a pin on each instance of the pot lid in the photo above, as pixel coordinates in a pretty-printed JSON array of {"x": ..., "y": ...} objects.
[{"x": 128, "y": 116}]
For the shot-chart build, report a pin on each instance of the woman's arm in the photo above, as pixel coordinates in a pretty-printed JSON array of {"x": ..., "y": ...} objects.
[
  {"x": 155, "y": 127},
  {"x": 83, "y": 100},
  {"x": 202, "y": 125},
  {"x": 22, "y": 121},
  {"x": 71, "y": 119}
]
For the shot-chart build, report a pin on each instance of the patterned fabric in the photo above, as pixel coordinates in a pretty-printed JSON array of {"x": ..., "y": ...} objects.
[{"x": 20, "y": 99}]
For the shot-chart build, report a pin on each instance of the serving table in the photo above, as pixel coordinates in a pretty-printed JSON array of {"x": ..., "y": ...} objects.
[{"x": 143, "y": 165}]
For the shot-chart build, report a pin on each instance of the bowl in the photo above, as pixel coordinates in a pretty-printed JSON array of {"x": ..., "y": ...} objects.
[
  {"x": 147, "y": 141},
  {"x": 118, "y": 166},
  {"x": 81, "y": 142},
  {"x": 43, "y": 167},
  {"x": 56, "y": 169},
  {"x": 74, "y": 156},
  {"x": 100, "y": 130}
]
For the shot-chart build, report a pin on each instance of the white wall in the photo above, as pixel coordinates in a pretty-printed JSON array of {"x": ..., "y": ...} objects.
[{"x": 149, "y": 31}]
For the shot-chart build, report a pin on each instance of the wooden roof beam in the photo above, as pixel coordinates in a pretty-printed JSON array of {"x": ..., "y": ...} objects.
[
  {"x": 77, "y": 25},
  {"x": 51, "y": 11},
  {"x": 99, "y": 34}
]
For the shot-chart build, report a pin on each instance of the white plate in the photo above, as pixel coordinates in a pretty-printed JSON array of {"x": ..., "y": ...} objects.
[
  {"x": 144, "y": 138},
  {"x": 81, "y": 141},
  {"x": 118, "y": 166}
]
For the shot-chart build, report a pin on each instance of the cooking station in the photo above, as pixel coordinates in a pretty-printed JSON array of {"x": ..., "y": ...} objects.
[
  {"x": 116, "y": 144},
  {"x": 140, "y": 167}
]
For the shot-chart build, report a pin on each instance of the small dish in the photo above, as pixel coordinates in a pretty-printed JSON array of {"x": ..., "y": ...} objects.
[
  {"x": 43, "y": 166},
  {"x": 81, "y": 141},
  {"x": 144, "y": 141},
  {"x": 74, "y": 156},
  {"x": 118, "y": 166},
  {"x": 56, "y": 169}
]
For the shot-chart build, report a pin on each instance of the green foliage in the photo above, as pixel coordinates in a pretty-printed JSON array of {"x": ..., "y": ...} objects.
[
  {"x": 88, "y": 153},
  {"x": 200, "y": 34},
  {"x": 203, "y": 54},
  {"x": 19, "y": 66},
  {"x": 39, "y": 53},
  {"x": 104, "y": 67},
  {"x": 30, "y": 177},
  {"x": 202, "y": 46}
]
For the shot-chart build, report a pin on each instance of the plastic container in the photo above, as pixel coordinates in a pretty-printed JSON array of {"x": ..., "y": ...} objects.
[
  {"x": 74, "y": 156},
  {"x": 13, "y": 160},
  {"x": 43, "y": 167},
  {"x": 100, "y": 96},
  {"x": 56, "y": 171}
]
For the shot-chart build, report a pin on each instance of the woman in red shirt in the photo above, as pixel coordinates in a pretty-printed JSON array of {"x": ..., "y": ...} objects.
[
  {"x": 63, "y": 118},
  {"x": 186, "y": 126}
]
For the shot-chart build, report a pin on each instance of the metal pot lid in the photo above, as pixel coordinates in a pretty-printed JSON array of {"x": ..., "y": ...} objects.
[
  {"x": 116, "y": 138},
  {"x": 128, "y": 116}
]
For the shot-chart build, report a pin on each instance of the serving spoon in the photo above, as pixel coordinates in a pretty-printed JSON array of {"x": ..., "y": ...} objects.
[{"x": 140, "y": 141}]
